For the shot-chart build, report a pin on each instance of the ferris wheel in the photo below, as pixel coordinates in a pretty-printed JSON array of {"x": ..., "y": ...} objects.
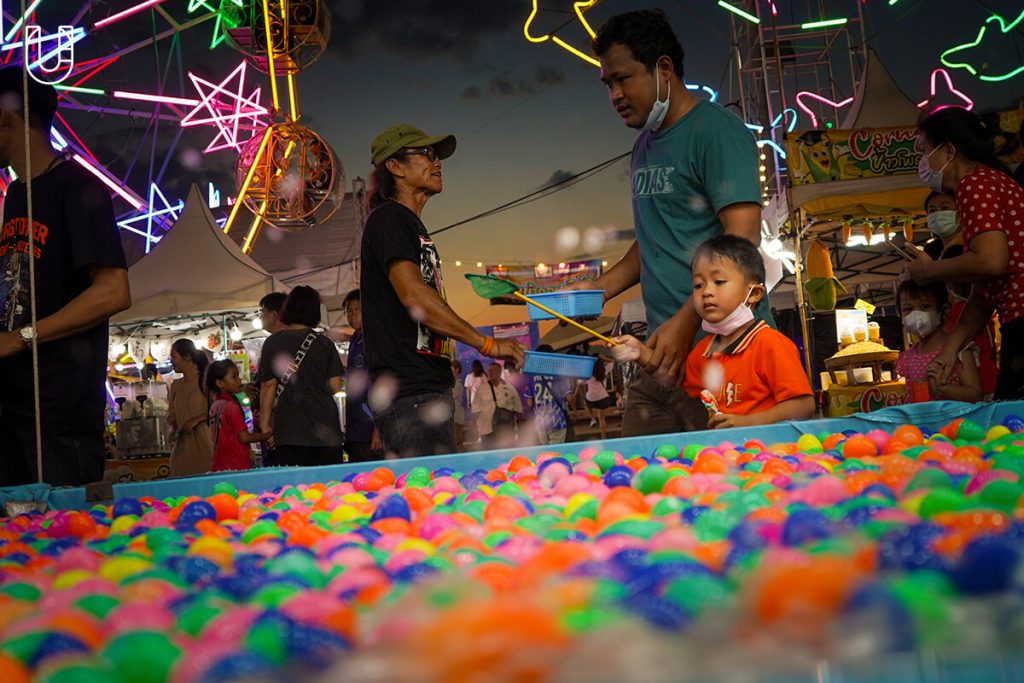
[{"x": 157, "y": 94}]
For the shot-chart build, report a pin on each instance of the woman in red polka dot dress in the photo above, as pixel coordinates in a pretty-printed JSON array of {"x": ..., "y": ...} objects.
[{"x": 959, "y": 157}]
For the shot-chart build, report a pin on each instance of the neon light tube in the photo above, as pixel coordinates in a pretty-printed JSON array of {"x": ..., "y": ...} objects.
[
  {"x": 126, "y": 13},
  {"x": 823, "y": 100},
  {"x": 823, "y": 23},
  {"x": 774, "y": 145},
  {"x": 254, "y": 229},
  {"x": 17, "y": 25},
  {"x": 968, "y": 102},
  {"x": 75, "y": 88},
  {"x": 137, "y": 203},
  {"x": 248, "y": 179},
  {"x": 270, "y": 56},
  {"x": 738, "y": 12},
  {"x": 292, "y": 100},
  {"x": 162, "y": 99}
]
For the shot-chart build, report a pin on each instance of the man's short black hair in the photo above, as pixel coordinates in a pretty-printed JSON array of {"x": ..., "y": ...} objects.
[
  {"x": 351, "y": 296},
  {"x": 935, "y": 290},
  {"x": 739, "y": 250},
  {"x": 273, "y": 301},
  {"x": 42, "y": 99},
  {"x": 646, "y": 33},
  {"x": 302, "y": 307},
  {"x": 935, "y": 195}
]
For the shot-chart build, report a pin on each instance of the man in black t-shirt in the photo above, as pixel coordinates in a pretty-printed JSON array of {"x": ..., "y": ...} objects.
[
  {"x": 80, "y": 281},
  {"x": 407, "y": 323}
]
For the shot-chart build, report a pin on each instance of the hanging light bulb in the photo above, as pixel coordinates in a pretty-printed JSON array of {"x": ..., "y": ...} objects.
[
  {"x": 235, "y": 334},
  {"x": 257, "y": 323},
  {"x": 458, "y": 264}
]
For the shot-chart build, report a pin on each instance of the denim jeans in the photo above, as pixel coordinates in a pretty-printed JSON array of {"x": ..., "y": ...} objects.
[
  {"x": 416, "y": 425},
  {"x": 68, "y": 460}
]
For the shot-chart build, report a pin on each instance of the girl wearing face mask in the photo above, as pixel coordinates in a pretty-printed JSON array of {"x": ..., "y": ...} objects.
[
  {"x": 923, "y": 309},
  {"x": 958, "y": 156}
]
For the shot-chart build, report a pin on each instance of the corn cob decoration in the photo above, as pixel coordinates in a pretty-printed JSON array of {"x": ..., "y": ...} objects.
[{"x": 821, "y": 281}]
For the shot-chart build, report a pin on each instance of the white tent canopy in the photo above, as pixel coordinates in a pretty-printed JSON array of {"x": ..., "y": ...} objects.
[{"x": 195, "y": 269}]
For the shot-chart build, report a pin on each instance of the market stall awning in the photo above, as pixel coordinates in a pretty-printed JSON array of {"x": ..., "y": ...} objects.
[
  {"x": 886, "y": 196},
  {"x": 194, "y": 269}
]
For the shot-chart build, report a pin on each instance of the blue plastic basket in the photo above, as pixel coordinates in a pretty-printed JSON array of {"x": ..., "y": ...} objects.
[
  {"x": 584, "y": 303},
  {"x": 560, "y": 364}
]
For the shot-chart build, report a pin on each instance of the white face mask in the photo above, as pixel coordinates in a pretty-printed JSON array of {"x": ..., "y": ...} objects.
[
  {"x": 921, "y": 323},
  {"x": 932, "y": 179},
  {"x": 659, "y": 109},
  {"x": 942, "y": 223},
  {"x": 742, "y": 315}
]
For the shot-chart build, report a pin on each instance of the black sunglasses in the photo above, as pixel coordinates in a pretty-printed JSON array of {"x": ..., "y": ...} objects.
[{"x": 428, "y": 152}]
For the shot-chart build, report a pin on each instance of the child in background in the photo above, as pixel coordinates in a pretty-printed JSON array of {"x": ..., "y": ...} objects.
[
  {"x": 924, "y": 309},
  {"x": 752, "y": 371},
  {"x": 231, "y": 437}
]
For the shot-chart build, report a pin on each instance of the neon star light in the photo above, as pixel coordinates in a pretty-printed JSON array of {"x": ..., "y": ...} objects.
[
  {"x": 1004, "y": 28},
  {"x": 578, "y": 7},
  {"x": 226, "y": 109},
  {"x": 168, "y": 210},
  {"x": 774, "y": 145},
  {"x": 968, "y": 103},
  {"x": 218, "y": 34},
  {"x": 791, "y": 122},
  {"x": 819, "y": 98}
]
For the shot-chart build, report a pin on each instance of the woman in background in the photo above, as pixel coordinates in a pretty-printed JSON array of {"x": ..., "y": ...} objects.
[{"x": 187, "y": 411}]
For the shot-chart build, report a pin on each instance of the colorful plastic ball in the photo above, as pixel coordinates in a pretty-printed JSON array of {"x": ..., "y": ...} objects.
[
  {"x": 392, "y": 507},
  {"x": 618, "y": 475},
  {"x": 988, "y": 565},
  {"x": 127, "y": 506},
  {"x": 803, "y": 526},
  {"x": 196, "y": 511}
]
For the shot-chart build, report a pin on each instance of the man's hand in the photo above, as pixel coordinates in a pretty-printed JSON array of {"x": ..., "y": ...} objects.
[
  {"x": 726, "y": 421},
  {"x": 921, "y": 268},
  {"x": 507, "y": 348},
  {"x": 10, "y": 344},
  {"x": 669, "y": 346}
]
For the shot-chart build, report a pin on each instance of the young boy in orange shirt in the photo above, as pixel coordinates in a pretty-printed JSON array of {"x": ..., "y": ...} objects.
[{"x": 752, "y": 371}]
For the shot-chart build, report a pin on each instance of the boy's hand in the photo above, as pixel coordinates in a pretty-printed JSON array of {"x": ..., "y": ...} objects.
[
  {"x": 725, "y": 421},
  {"x": 629, "y": 348}
]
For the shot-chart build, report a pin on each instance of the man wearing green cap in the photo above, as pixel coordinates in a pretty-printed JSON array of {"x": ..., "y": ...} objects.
[{"x": 407, "y": 323}]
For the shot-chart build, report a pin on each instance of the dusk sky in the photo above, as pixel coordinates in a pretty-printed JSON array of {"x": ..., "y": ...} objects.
[{"x": 526, "y": 114}]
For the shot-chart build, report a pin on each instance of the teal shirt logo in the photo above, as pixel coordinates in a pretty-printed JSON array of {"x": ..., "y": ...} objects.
[{"x": 651, "y": 180}]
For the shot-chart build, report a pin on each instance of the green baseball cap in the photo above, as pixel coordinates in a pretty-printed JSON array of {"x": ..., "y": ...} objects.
[{"x": 401, "y": 135}]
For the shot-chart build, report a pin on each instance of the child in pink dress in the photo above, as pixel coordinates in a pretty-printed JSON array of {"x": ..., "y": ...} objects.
[
  {"x": 924, "y": 309},
  {"x": 231, "y": 436}
]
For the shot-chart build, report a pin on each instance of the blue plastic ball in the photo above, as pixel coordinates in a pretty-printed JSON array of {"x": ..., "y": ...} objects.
[
  {"x": 618, "y": 475},
  {"x": 805, "y": 525},
  {"x": 987, "y": 566},
  {"x": 196, "y": 511},
  {"x": 127, "y": 506},
  {"x": 1014, "y": 423},
  {"x": 392, "y": 507}
]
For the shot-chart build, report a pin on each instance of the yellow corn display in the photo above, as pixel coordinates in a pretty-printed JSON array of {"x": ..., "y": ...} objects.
[{"x": 822, "y": 284}]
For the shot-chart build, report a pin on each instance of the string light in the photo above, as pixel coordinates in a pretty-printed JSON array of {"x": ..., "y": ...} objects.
[{"x": 458, "y": 263}]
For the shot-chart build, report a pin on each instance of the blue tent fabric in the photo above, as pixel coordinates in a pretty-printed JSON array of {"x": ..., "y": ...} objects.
[{"x": 927, "y": 415}]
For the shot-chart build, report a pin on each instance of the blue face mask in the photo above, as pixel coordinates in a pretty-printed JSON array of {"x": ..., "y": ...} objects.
[{"x": 659, "y": 109}]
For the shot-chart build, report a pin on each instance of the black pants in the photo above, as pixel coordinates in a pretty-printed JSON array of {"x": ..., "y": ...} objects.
[
  {"x": 68, "y": 459},
  {"x": 1010, "y": 384},
  {"x": 303, "y": 456},
  {"x": 422, "y": 424}
]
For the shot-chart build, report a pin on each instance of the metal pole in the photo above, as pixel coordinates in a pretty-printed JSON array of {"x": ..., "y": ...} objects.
[
  {"x": 798, "y": 266},
  {"x": 31, "y": 260}
]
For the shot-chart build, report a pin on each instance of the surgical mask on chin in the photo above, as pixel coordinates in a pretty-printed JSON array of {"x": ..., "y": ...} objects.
[
  {"x": 921, "y": 323},
  {"x": 660, "y": 109},
  {"x": 742, "y": 315},
  {"x": 942, "y": 223}
]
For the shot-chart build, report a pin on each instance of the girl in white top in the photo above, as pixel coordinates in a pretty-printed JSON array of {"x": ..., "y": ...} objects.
[{"x": 598, "y": 399}]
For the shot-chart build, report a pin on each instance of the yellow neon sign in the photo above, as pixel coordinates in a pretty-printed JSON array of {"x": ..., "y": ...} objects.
[{"x": 578, "y": 8}]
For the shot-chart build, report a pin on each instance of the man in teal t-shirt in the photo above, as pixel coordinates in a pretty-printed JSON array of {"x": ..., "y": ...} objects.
[{"x": 694, "y": 177}]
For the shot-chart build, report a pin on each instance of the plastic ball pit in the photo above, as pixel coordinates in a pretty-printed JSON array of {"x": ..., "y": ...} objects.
[{"x": 769, "y": 554}]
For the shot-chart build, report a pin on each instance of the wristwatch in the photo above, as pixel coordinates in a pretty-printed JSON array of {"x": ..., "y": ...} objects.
[{"x": 28, "y": 335}]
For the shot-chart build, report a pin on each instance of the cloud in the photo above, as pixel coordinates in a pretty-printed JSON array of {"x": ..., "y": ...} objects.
[
  {"x": 505, "y": 85},
  {"x": 453, "y": 29},
  {"x": 559, "y": 176}
]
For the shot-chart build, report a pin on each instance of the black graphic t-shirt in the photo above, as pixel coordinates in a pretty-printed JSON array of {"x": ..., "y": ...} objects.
[
  {"x": 396, "y": 344},
  {"x": 74, "y": 229}
]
